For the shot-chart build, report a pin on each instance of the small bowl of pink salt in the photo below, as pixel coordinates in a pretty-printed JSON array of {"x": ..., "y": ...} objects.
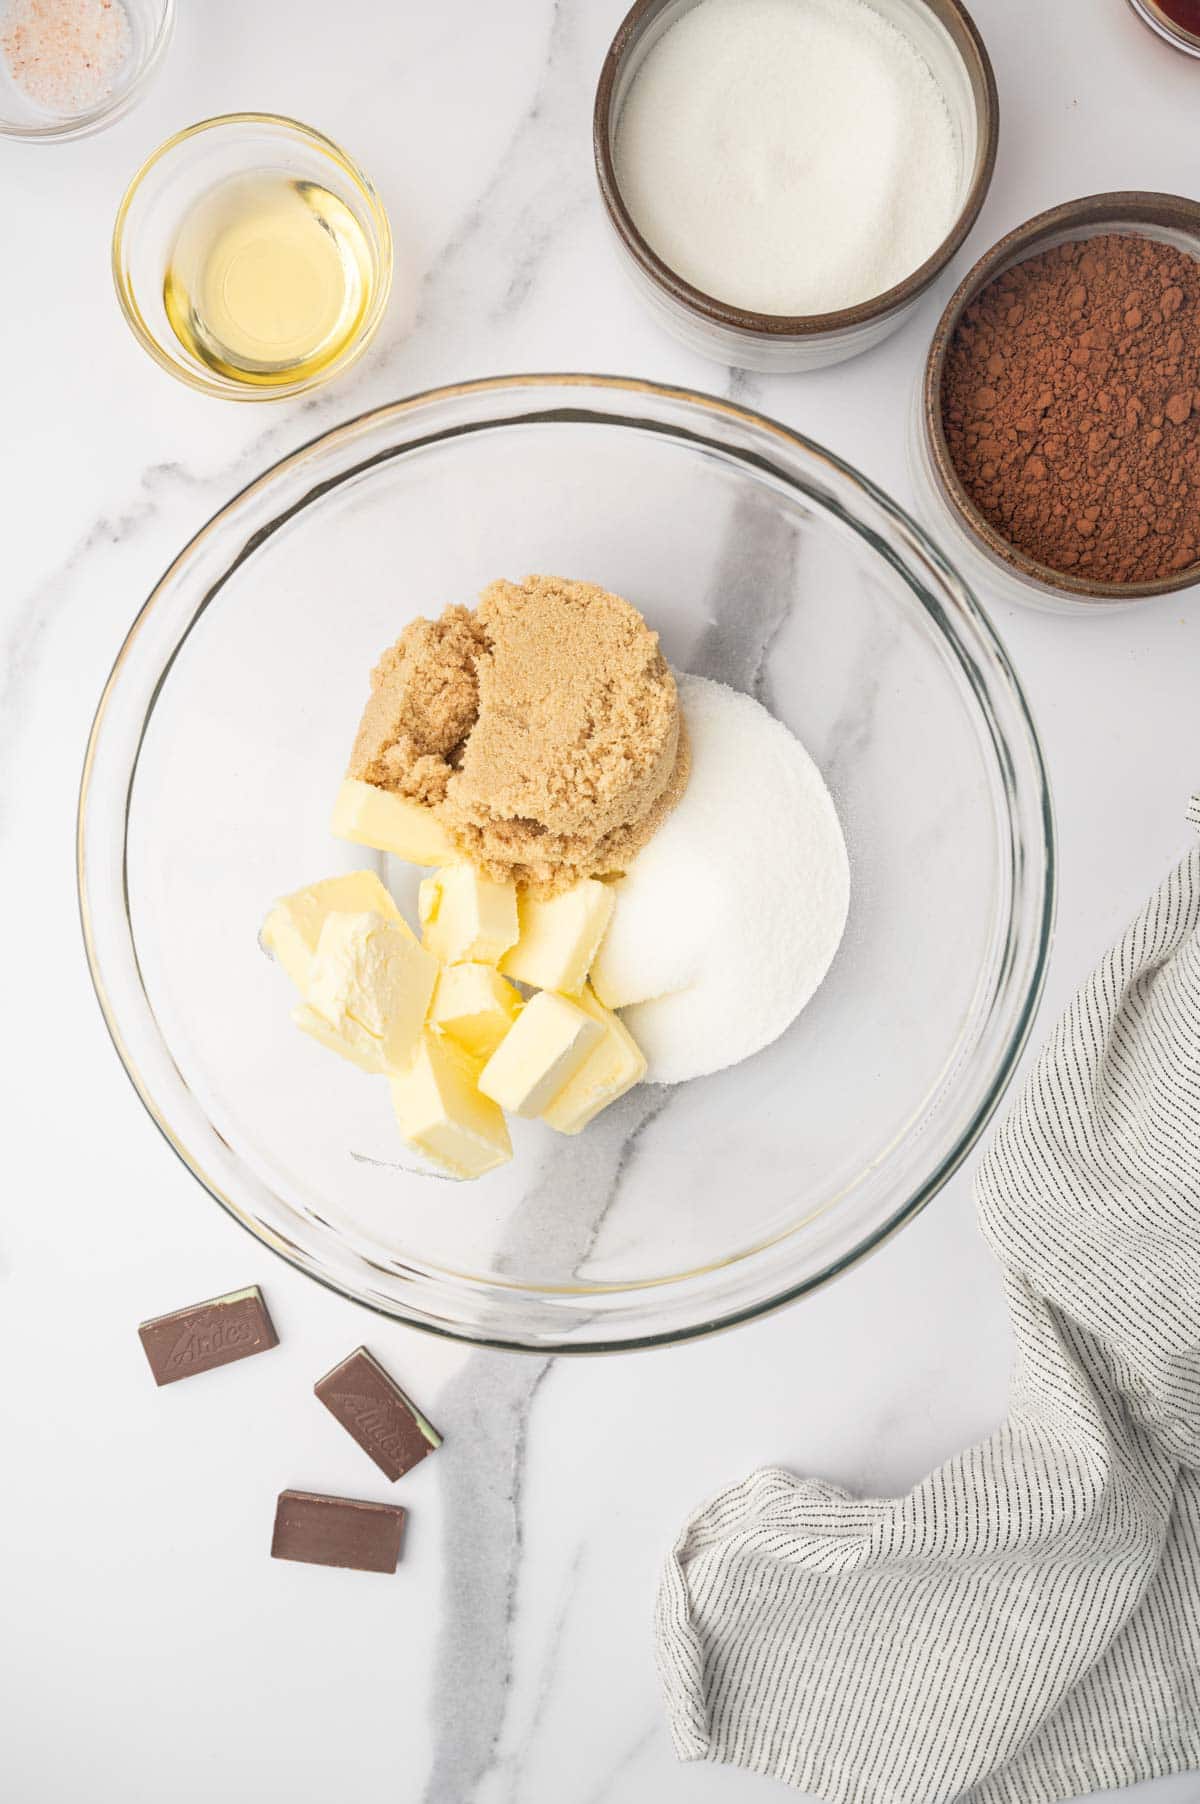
[{"x": 70, "y": 67}]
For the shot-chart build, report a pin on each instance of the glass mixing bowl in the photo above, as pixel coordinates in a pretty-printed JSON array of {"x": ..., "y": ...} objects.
[{"x": 763, "y": 560}]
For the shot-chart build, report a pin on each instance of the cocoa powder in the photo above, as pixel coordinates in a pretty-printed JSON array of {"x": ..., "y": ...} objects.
[{"x": 1071, "y": 408}]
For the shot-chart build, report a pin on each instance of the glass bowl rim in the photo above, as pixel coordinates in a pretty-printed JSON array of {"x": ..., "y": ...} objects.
[
  {"x": 113, "y": 106},
  {"x": 381, "y": 226},
  {"x": 789, "y": 325},
  {"x": 1017, "y": 1035}
]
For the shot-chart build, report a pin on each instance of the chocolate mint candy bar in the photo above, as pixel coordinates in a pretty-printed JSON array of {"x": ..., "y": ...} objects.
[
  {"x": 337, "y": 1531},
  {"x": 372, "y": 1407},
  {"x": 207, "y": 1335}
]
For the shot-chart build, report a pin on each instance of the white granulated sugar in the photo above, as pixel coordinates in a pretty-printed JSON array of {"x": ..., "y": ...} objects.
[
  {"x": 728, "y": 920},
  {"x": 788, "y": 156}
]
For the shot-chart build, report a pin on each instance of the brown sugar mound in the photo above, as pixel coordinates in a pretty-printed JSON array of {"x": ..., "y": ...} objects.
[
  {"x": 1071, "y": 407},
  {"x": 543, "y": 729},
  {"x": 424, "y": 701}
]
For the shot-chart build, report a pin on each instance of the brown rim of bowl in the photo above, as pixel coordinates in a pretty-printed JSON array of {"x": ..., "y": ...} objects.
[
  {"x": 1167, "y": 28},
  {"x": 1091, "y": 215},
  {"x": 964, "y": 34}
]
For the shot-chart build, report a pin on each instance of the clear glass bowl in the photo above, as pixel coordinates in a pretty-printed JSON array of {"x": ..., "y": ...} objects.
[
  {"x": 947, "y": 37},
  {"x": 177, "y": 175},
  {"x": 763, "y": 560},
  {"x": 151, "y": 23}
]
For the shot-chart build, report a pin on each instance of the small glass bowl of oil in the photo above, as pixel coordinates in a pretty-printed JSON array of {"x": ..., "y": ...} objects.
[{"x": 252, "y": 257}]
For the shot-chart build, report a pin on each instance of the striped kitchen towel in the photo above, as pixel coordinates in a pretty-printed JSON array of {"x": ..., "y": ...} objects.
[{"x": 1025, "y": 1626}]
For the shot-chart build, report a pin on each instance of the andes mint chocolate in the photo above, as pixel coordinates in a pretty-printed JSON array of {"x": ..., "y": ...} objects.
[
  {"x": 337, "y": 1531},
  {"x": 372, "y": 1407},
  {"x": 207, "y": 1335}
]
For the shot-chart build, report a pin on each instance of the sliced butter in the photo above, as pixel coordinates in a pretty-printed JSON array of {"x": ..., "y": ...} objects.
[
  {"x": 559, "y": 937},
  {"x": 372, "y": 984},
  {"x": 442, "y": 1114},
  {"x": 474, "y": 1006},
  {"x": 348, "y": 1039},
  {"x": 540, "y": 1053},
  {"x": 371, "y": 816},
  {"x": 612, "y": 1066},
  {"x": 293, "y": 927},
  {"x": 465, "y": 917}
]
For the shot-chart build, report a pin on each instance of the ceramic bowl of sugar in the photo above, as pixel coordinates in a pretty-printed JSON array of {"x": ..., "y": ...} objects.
[
  {"x": 785, "y": 178},
  {"x": 765, "y": 565}
]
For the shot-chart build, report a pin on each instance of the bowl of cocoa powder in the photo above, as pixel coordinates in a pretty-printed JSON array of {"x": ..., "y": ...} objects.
[{"x": 1056, "y": 437}]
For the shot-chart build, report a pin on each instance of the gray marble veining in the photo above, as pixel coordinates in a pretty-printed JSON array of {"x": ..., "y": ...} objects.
[
  {"x": 492, "y": 1399},
  {"x": 559, "y": 1218},
  {"x": 752, "y": 595},
  {"x": 485, "y": 1412},
  {"x": 547, "y": 1685},
  {"x": 495, "y": 254},
  {"x": 608, "y": 1783}
]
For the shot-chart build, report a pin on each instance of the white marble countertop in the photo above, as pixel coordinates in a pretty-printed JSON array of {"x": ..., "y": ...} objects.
[{"x": 149, "y": 1647}]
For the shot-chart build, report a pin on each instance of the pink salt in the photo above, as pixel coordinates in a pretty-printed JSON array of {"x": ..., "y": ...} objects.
[{"x": 64, "y": 55}]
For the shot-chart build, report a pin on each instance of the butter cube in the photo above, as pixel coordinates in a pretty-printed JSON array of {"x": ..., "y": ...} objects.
[
  {"x": 293, "y": 927},
  {"x": 371, "y": 984},
  {"x": 371, "y": 816},
  {"x": 443, "y": 1116},
  {"x": 540, "y": 1053},
  {"x": 349, "y": 1040},
  {"x": 610, "y": 1068},
  {"x": 466, "y": 918},
  {"x": 474, "y": 1006},
  {"x": 560, "y": 936}
]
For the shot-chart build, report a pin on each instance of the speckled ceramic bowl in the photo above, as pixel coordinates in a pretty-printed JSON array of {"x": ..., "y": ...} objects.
[
  {"x": 950, "y": 42},
  {"x": 987, "y": 557},
  {"x": 1167, "y": 28}
]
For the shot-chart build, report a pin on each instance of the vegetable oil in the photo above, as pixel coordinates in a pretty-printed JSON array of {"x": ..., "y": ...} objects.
[{"x": 268, "y": 279}]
